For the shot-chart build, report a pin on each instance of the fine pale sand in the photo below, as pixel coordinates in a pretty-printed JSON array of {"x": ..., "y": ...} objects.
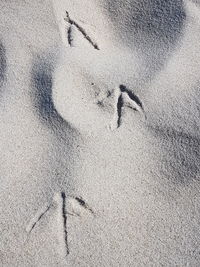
[{"x": 100, "y": 133}]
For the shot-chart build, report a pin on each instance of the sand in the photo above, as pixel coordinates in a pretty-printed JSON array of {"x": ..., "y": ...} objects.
[{"x": 99, "y": 140}]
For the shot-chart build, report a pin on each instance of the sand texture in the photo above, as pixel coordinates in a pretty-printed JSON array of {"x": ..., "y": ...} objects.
[{"x": 99, "y": 133}]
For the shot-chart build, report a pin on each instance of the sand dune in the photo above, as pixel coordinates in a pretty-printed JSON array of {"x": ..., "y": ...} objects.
[{"x": 99, "y": 140}]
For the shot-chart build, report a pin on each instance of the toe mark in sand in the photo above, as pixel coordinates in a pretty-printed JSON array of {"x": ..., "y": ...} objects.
[
  {"x": 119, "y": 110},
  {"x": 37, "y": 218},
  {"x": 126, "y": 98},
  {"x": 69, "y": 36},
  {"x": 62, "y": 203},
  {"x": 132, "y": 96},
  {"x": 83, "y": 204},
  {"x": 69, "y": 20},
  {"x": 3, "y": 64},
  {"x": 63, "y": 196}
]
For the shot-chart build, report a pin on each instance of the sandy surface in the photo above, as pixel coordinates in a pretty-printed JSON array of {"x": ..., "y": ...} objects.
[{"x": 99, "y": 140}]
